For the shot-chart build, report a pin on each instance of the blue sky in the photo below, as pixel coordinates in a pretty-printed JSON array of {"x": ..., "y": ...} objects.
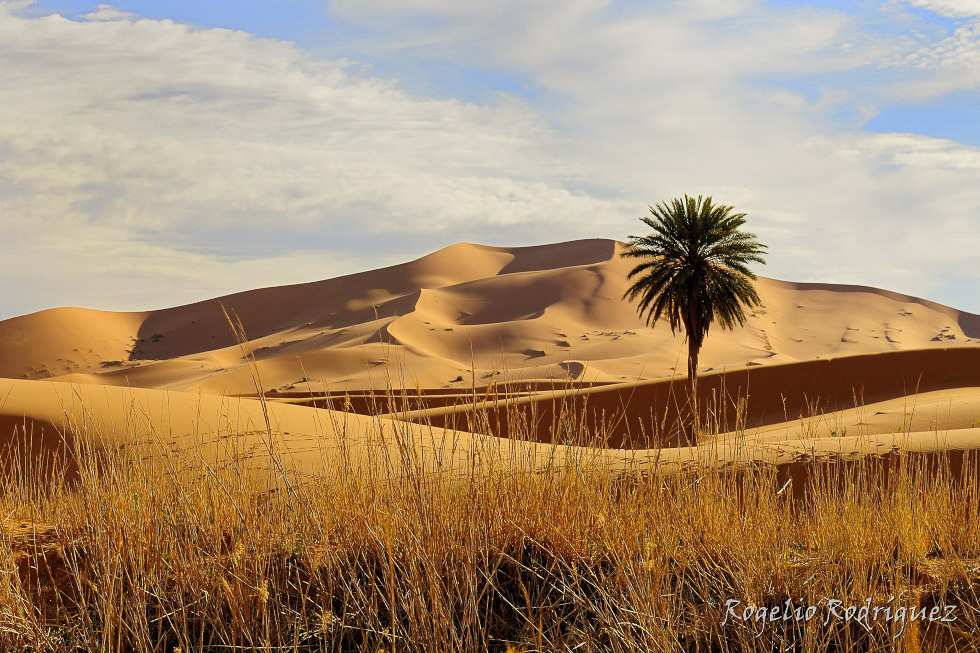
[
  {"x": 953, "y": 116},
  {"x": 312, "y": 25},
  {"x": 161, "y": 159},
  {"x": 304, "y": 21}
]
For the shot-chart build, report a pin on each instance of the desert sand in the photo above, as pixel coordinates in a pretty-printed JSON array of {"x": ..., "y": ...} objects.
[{"x": 523, "y": 334}]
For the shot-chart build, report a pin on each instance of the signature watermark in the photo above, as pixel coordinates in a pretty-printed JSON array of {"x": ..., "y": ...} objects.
[{"x": 828, "y": 610}]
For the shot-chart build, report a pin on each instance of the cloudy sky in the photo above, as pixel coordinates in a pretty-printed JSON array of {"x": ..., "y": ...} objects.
[{"x": 155, "y": 153}]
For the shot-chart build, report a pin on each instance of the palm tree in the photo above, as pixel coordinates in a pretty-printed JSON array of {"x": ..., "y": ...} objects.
[{"x": 694, "y": 271}]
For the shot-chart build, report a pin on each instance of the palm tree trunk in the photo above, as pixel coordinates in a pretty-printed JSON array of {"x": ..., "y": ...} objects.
[
  {"x": 692, "y": 387},
  {"x": 693, "y": 347}
]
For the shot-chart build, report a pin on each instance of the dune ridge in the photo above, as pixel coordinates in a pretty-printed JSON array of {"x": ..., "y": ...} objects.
[{"x": 462, "y": 316}]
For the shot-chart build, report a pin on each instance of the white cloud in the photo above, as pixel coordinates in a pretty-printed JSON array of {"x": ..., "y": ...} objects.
[
  {"x": 959, "y": 50},
  {"x": 951, "y": 8},
  {"x": 162, "y": 147},
  {"x": 950, "y": 63},
  {"x": 934, "y": 69},
  {"x": 669, "y": 100},
  {"x": 10, "y": 6},
  {"x": 108, "y": 12}
]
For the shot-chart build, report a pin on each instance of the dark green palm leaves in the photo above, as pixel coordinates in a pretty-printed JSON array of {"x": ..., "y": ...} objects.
[{"x": 693, "y": 267}]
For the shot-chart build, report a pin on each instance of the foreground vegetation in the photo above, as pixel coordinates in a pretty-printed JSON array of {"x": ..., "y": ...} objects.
[{"x": 166, "y": 554}]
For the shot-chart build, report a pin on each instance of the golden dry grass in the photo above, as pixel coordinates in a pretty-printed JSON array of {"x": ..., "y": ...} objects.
[{"x": 166, "y": 554}]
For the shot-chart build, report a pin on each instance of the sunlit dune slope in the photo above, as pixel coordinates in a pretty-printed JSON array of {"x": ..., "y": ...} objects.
[
  {"x": 50, "y": 420},
  {"x": 53, "y": 422}
]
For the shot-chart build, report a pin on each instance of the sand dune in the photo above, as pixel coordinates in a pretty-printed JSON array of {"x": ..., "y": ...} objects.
[
  {"x": 66, "y": 340},
  {"x": 512, "y": 333},
  {"x": 50, "y": 423},
  {"x": 463, "y": 315},
  {"x": 45, "y": 423}
]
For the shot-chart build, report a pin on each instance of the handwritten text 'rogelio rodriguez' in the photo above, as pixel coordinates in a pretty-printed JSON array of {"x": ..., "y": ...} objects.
[{"x": 829, "y": 610}]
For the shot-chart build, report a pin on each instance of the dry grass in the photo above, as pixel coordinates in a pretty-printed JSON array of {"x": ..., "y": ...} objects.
[{"x": 164, "y": 553}]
